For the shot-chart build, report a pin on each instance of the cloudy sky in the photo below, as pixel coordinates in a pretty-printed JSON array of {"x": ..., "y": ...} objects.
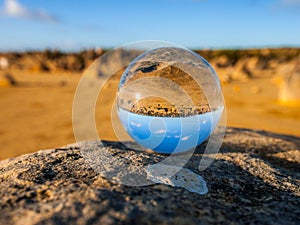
[{"x": 78, "y": 24}]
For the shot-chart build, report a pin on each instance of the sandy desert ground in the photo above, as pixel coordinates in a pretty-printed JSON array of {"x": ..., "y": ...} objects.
[{"x": 37, "y": 114}]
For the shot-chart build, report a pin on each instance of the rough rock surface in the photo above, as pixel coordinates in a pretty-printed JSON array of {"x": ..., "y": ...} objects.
[{"x": 254, "y": 180}]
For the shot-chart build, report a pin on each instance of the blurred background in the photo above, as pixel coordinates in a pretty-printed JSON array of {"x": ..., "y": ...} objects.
[{"x": 45, "y": 46}]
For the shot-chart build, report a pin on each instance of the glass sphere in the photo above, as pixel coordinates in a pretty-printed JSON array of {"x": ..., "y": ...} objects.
[{"x": 169, "y": 100}]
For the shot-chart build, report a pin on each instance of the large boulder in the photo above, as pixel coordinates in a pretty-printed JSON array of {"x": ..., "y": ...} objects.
[
  {"x": 4, "y": 63},
  {"x": 253, "y": 180},
  {"x": 289, "y": 84}
]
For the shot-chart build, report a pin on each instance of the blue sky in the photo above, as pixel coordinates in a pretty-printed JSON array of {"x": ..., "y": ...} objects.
[{"x": 75, "y": 25}]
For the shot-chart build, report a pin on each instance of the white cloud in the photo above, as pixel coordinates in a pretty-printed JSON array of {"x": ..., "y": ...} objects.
[{"x": 12, "y": 8}]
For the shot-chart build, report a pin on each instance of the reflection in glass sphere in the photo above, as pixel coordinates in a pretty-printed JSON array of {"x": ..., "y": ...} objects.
[{"x": 169, "y": 100}]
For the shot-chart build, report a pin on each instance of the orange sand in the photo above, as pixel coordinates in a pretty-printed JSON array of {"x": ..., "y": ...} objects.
[{"x": 38, "y": 113}]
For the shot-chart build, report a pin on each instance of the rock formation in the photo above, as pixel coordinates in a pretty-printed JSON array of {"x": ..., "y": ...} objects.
[
  {"x": 229, "y": 64},
  {"x": 7, "y": 80},
  {"x": 253, "y": 180},
  {"x": 289, "y": 84}
]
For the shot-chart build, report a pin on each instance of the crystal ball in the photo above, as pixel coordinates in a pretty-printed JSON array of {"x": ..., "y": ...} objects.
[{"x": 169, "y": 100}]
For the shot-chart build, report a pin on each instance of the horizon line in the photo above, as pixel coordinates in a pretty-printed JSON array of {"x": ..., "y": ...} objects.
[{"x": 107, "y": 48}]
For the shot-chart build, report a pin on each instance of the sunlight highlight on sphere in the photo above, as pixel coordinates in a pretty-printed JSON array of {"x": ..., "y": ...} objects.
[{"x": 169, "y": 100}]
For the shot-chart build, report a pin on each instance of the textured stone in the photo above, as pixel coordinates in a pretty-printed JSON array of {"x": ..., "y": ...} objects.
[{"x": 254, "y": 180}]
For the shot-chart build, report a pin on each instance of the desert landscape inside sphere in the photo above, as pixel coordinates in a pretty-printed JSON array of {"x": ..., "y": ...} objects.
[
  {"x": 159, "y": 105},
  {"x": 168, "y": 82}
]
